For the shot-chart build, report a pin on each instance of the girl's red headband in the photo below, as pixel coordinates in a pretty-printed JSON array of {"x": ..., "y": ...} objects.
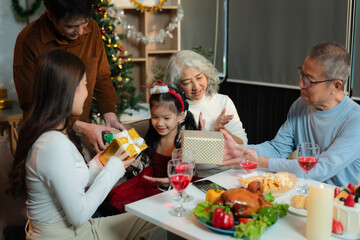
[{"x": 163, "y": 88}]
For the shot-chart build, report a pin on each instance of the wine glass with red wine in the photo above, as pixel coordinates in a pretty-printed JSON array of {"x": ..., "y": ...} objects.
[
  {"x": 187, "y": 156},
  {"x": 180, "y": 174},
  {"x": 307, "y": 155},
  {"x": 250, "y": 160}
]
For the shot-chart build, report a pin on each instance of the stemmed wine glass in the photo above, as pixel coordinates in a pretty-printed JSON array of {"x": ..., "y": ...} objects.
[
  {"x": 307, "y": 155},
  {"x": 187, "y": 156},
  {"x": 250, "y": 160},
  {"x": 180, "y": 174}
]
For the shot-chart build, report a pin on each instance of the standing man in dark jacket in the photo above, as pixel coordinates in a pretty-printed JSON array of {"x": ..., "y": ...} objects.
[{"x": 66, "y": 25}]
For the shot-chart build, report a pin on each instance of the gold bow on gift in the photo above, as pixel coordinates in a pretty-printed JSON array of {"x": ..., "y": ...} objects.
[{"x": 128, "y": 141}]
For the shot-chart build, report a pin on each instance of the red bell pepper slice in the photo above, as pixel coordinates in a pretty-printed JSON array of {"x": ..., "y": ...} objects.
[{"x": 220, "y": 219}]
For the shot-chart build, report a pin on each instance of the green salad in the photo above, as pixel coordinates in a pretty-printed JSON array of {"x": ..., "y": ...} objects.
[{"x": 252, "y": 229}]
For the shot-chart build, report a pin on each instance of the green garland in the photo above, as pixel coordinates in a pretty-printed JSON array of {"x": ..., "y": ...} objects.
[{"x": 25, "y": 13}]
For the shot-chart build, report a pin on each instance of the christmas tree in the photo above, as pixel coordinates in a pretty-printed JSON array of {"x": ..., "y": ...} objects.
[{"x": 119, "y": 61}]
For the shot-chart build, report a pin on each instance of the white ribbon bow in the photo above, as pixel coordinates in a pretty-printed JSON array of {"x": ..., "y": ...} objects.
[{"x": 137, "y": 142}]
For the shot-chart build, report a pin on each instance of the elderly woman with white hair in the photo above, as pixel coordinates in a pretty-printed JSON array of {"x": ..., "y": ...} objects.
[{"x": 197, "y": 77}]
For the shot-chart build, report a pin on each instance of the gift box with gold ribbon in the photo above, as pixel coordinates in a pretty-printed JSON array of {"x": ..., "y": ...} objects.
[
  {"x": 208, "y": 145},
  {"x": 125, "y": 141}
]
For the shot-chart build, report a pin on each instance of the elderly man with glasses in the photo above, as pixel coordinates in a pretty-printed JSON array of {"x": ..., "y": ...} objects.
[{"x": 323, "y": 115}]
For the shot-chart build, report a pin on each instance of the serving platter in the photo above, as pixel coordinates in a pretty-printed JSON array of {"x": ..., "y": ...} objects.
[{"x": 232, "y": 231}]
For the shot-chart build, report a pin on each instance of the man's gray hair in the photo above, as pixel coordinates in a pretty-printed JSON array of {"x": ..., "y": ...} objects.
[
  {"x": 335, "y": 59},
  {"x": 188, "y": 58}
]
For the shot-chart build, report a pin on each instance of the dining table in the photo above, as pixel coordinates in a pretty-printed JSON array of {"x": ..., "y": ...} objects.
[{"x": 155, "y": 209}]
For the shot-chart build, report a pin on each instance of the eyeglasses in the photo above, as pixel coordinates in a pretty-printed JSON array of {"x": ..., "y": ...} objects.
[{"x": 308, "y": 82}]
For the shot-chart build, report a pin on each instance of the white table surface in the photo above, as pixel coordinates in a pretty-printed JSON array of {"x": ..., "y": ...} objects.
[{"x": 155, "y": 209}]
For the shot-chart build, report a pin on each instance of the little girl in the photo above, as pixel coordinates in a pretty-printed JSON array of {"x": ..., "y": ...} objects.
[{"x": 169, "y": 114}]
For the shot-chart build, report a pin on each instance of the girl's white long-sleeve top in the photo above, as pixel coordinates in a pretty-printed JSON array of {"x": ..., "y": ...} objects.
[{"x": 60, "y": 186}]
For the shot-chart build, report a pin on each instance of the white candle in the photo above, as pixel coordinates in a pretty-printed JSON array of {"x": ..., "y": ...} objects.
[{"x": 320, "y": 213}]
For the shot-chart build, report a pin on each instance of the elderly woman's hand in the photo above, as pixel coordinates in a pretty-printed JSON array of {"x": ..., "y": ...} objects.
[
  {"x": 222, "y": 120},
  {"x": 201, "y": 122}
]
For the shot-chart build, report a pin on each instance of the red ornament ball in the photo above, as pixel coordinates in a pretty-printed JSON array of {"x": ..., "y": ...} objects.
[
  {"x": 99, "y": 9},
  {"x": 103, "y": 31},
  {"x": 121, "y": 48}
]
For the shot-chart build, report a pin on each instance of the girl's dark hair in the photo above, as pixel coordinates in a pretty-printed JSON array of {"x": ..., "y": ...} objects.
[
  {"x": 68, "y": 9},
  {"x": 57, "y": 76},
  {"x": 152, "y": 137}
]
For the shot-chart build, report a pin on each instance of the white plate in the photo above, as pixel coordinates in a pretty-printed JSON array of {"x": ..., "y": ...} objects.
[
  {"x": 345, "y": 236},
  {"x": 300, "y": 212},
  {"x": 296, "y": 211}
]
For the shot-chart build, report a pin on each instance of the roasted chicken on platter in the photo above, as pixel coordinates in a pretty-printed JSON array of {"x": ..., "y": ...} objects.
[{"x": 244, "y": 201}]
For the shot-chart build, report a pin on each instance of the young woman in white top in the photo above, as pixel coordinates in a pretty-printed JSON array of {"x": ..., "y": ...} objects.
[
  {"x": 197, "y": 77},
  {"x": 62, "y": 191}
]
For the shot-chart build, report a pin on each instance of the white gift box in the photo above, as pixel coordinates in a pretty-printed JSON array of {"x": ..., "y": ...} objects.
[{"x": 208, "y": 145}]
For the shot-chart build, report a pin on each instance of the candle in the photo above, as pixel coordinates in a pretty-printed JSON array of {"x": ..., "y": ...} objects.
[{"x": 320, "y": 213}]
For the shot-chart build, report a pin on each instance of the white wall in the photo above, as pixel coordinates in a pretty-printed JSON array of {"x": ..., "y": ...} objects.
[{"x": 10, "y": 27}]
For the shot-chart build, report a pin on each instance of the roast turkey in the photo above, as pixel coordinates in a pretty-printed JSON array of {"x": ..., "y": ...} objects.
[{"x": 244, "y": 201}]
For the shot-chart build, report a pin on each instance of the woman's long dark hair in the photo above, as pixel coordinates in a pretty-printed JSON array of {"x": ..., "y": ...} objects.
[
  {"x": 152, "y": 137},
  {"x": 57, "y": 76}
]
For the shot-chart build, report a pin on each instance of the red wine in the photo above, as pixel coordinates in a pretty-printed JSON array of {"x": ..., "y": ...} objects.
[
  {"x": 181, "y": 168},
  {"x": 307, "y": 163},
  {"x": 180, "y": 182},
  {"x": 249, "y": 166}
]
